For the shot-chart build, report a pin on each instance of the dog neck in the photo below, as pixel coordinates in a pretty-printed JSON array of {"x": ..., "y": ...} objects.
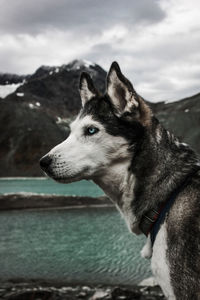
[
  {"x": 161, "y": 167},
  {"x": 118, "y": 183}
]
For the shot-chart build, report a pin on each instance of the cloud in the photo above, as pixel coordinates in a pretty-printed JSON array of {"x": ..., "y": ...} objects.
[
  {"x": 156, "y": 42},
  {"x": 24, "y": 53},
  {"x": 88, "y": 16}
]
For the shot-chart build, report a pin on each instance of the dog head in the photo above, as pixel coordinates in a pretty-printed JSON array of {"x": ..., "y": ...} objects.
[{"x": 107, "y": 130}]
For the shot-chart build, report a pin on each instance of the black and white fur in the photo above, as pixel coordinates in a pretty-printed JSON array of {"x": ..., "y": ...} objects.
[{"x": 118, "y": 143}]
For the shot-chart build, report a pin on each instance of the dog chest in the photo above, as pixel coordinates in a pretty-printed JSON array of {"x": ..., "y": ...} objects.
[{"x": 160, "y": 264}]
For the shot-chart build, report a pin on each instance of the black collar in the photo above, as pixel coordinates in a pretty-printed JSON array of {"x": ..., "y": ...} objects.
[{"x": 153, "y": 219}]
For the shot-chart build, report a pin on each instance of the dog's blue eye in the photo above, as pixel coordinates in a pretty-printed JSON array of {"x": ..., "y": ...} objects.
[{"x": 92, "y": 130}]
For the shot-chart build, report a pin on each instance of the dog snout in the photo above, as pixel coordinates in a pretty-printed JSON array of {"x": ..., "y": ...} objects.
[{"x": 45, "y": 162}]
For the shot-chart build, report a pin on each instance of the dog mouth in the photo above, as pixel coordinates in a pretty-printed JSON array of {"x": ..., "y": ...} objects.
[
  {"x": 65, "y": 178},
  {"x": 61, "y": 179}
]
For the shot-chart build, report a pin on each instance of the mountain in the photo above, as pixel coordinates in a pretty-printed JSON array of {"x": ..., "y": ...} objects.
[
  {"x": 35, "y": 117},
  {"x": 6, "y": 78},
  {"x": 182, "y": 118}
]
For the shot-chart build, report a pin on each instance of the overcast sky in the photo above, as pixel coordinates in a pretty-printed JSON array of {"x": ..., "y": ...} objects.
[{"x": 156, "y": 42}]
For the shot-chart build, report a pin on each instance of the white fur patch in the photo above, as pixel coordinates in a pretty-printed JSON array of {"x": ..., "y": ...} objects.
[
  {"x": 158, "y": 135},
  {"x": 184, "y": 144},
  {"x": 118, "y": 183},
  {"x": 127, "y": 199},
  {"x": 168, "y": 134},
  {"x": 146, "y": 251},
  {"x": 160, "y": 265},
  {"x": 177, "y": 143}
]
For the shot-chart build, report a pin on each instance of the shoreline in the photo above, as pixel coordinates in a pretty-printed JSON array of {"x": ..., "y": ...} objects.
[{"x": 30, "y": 201}]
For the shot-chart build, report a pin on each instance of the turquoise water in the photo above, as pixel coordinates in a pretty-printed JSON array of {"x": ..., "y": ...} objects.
[
  {"x": 48, "y": 186},
  {"x": 80, "y": 245},
  {"x": 88, "y": 245}
]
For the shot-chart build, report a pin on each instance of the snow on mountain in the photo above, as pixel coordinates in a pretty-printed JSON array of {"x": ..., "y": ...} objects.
[
  {"x": 7, "y": 89},
  {"x": 77, "y": 64}
]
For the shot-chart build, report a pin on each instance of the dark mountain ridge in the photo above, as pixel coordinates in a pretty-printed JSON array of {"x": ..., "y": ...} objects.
[
  {"x": 7, "y": 78},
  {"x": 35, "y": 117}
]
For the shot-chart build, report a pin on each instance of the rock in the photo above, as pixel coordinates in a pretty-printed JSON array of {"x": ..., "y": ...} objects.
[
  {"x": 82, "y": 295},
  {"x": 86, "y": 288},
  {"x": 151, "y": 281},
  {"x": 38, "y": 295},
  {"x": 100, "y": 294},
  {"x": 26, "y": 292},
  {"x": 119, "y": 294}
]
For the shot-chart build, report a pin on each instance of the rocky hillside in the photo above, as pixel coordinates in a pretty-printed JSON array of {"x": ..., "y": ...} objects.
[
  {"x": 35, "y": 117},
  {"x": 182, "y": 118}
]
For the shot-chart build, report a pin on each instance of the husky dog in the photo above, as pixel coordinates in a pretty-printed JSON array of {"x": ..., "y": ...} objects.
[{"x": 152, "y": 178}]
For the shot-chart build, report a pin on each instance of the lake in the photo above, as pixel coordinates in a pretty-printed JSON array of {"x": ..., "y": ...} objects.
[{"x": 77, "y": 245}]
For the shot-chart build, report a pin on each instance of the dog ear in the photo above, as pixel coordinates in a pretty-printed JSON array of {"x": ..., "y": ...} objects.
[
  {"x": 126, "y": 102},
  {"x": 86, "y": 88},
  {"x": 121, "y": 91}
]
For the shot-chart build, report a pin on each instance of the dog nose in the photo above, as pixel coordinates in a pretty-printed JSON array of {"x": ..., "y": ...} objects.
[{"x": 45, "y": 162}]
